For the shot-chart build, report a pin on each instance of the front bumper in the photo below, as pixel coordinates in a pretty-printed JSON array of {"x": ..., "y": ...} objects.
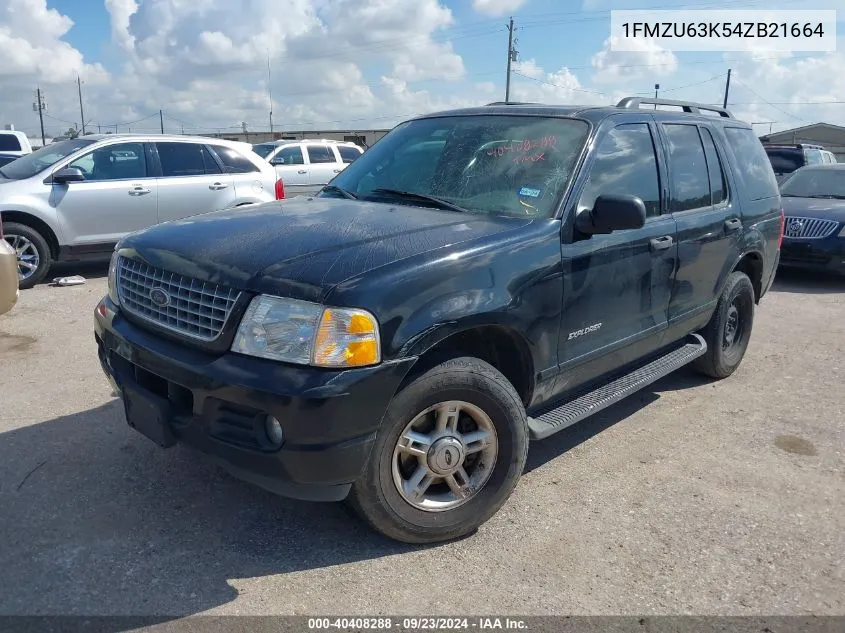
[
  {"x": 8, "y": 277},
  {"x": 824, "y": 255},
  {"x": 218, "y": 404}
]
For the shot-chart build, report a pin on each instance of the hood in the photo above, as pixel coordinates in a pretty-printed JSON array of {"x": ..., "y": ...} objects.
[
  {"x": 303, "y": 247},
  {"x": 822, "y": 208}
]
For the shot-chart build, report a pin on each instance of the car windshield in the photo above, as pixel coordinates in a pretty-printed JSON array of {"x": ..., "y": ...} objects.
[
  {"x": 41, "y": 159},
  {"x": 815, "y": 183},
  {"x": 263, "y": 149},
  {"x": 486, "y": 164}
]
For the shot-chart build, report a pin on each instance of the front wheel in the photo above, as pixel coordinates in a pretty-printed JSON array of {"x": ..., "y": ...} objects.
[
  {"x": 34, "y": 257},
  {"x": 729, "y": 330},
  {"x": 451, "y": 449}
]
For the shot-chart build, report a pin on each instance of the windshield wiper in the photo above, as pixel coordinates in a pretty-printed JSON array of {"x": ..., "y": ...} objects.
[
  {"x": 439, "y": 202},
  {"x": 341, "y": 191}
]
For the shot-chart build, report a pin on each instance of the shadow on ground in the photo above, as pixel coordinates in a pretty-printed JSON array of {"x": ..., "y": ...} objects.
[
  {"x": 803, "y": 282},
  {"x": 96, "y": 519}
]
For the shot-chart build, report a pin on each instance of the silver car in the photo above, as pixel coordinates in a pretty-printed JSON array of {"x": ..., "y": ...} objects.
[{"x": 75, "y": 199}]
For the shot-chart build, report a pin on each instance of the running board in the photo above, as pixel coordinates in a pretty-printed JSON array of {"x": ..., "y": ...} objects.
[{"x": 584, "y": 406}]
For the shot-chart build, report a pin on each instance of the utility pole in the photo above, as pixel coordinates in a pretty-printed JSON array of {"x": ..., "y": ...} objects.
[
  {"x": 81, "y": 111},
  {"x": 727, "y": 89},
  {"x": 511, "y": 58},
  {"x": 270, "y": 95},
  {"x": 656, "y": 88},
  {"x": 40, "y": 106},
  {"x": 161, "y": 120},
  {"x": 99, "y": 129}
]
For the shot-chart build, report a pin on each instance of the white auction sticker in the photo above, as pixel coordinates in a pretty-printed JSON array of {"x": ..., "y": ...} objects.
[{"x": 724, "y": 30}]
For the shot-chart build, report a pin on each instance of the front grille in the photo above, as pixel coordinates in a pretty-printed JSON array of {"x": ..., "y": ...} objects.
[
  {"x": 194, "y": 308},
  {"x": 809, "y": 228}
]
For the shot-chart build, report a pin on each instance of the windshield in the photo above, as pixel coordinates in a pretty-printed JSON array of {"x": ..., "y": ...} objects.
[
  {"x": 41, "y": 159},
  {"x": 489, "y": 164},
  {"x": 263, "y": 149},
  {"x": 815, "y": 183}
]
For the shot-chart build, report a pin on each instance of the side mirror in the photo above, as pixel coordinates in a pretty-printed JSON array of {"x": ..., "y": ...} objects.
[
  {"x": 612, "y": 213},
  {"x": 67, "y": 175}
]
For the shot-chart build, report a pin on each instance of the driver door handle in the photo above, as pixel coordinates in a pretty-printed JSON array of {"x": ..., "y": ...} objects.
[
  {"x": 337, "y": 171},
  {"x": 302, "y": 171},
  {"x": 662, "y": 243},
  {"x": 139, "y": 190},
  {"x": 734, "y": 224},
  {"x": 217, "y": 186}
]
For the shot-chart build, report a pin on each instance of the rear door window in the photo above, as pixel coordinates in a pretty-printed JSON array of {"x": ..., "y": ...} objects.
[
  {"x": 689, "y": 179},
  {"x": 752, "y": 164},
  {"x": 185, "y": 159},
  {"x": 289, "y": 156},
  {"x": 233, "y": 161},
  {"x": 320, "y": 154},
  {"x": 348, "y": 154}
]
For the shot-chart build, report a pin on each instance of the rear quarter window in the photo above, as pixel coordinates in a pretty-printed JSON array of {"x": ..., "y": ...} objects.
[
  {"x": 9, "y": 143},
  {"x": 752, "y": 164}
]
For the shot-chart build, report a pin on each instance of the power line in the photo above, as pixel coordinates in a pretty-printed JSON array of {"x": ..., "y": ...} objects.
[
  {"x": 790, "y": 114},
  {"x": 698, "y": 83},
  {"x": 549, "y": 83}
]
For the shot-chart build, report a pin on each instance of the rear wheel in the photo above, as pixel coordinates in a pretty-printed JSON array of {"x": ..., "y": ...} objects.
[
  {"x": 729, "y": 330},
  {"x": 34, "y": 257},
  {"x": 452, "y": 447}
]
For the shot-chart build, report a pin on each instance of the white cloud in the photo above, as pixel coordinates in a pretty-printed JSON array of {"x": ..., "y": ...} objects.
[
  {"x": 120, "y": 12},
  {"x": 529, "y": 68},
  {"x": 613, "y": 66},
  {"x": 497, "y": 7}
]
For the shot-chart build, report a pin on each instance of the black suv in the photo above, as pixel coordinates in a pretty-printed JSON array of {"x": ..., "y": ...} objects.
[
  {"x": 785, "y": 159},
  {"x": 477, "y": 279}
]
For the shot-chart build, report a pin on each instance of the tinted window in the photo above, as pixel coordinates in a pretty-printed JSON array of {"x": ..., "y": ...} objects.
[
  {"x": 42, "y": 158},
  {"x": 233, "y": 161},
  {"x": 815, "y": 183},
  {"x": 689, "y": 180},
  {"x": 9, "y": 143},
  {"x": 625, "y": 164},
  {"x": 785, "y": 160},
  {"x": 348, "y": 154},
  {"x": 289, "y": 156},
  {"x": 113, "y": 162},
  {"x": 5, "y": 160},
  {"x": 754, "y": 170},
  {"x": 321, "y": 154},
  {"x": 488, "y": 164},
  {"x": 185, "y": 159},
  {"x": 718, "y": 187},
  {"x": 263, "y": 149}
]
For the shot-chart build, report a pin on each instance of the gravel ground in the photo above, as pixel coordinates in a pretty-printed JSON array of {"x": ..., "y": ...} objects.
[{"x": 692, "y": 497}]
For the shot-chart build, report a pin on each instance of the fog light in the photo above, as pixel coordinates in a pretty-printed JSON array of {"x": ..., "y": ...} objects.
[{"x": 274, "y": 431}]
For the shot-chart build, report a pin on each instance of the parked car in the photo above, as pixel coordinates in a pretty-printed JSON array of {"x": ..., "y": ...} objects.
[
  {"x": 15, "y": 143},
  {"x": 814, "y": 204},
  {"x": 75, "y": 199},
  {"x": 785, "y": 159},
  {"x": 306, "y": 166},
  {"x": 476, "y": 279},
  {"x": 8, "y": 274},
  {"x": 6, "y": 158}
]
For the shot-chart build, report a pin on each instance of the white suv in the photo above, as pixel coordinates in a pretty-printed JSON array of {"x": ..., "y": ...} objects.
[
  {"x": 75, "y": 199},
  {"x": 306, "y": 166}
]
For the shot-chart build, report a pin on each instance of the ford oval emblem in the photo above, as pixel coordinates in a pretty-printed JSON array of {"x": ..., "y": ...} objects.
[{"x": 159, "y": 297}]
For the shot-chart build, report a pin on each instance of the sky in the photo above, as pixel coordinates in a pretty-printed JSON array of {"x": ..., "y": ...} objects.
[{"x": 364, "y": 64}]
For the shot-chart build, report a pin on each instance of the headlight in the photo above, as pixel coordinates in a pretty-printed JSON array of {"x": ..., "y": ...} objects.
[
  {"x": 113, "y": 278},
  {"x": 306, "y": 333}
]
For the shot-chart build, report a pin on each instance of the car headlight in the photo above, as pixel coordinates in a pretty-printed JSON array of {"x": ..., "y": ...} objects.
[
  {"x": 113, "y": 278},
  {"x": 306, "y": 333}
]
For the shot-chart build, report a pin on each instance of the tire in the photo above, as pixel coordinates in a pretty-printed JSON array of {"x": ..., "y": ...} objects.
[
  {"x": 15, "y": 234},
  {"x": 725, "y": 352},
  {"x": 479, "y": 397}
]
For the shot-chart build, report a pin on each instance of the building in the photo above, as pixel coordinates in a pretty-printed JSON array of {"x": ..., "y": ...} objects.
[
  {"x": 364, "y": 138},
  {"x": 831, "y": 137}
]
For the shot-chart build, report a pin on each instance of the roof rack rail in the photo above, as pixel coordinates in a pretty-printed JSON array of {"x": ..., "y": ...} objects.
[
  {"x": 689, "y": 107},
  {"x": 500, "y": 103}
]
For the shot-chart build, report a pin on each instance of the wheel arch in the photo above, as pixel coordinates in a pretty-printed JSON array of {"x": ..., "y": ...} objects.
[
  {"x": 751, "y": 263},
  {"x": 35, "y": 223}
]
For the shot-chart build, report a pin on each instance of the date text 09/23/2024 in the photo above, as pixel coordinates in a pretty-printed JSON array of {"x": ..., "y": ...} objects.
[{"x": 415, "y": 624}]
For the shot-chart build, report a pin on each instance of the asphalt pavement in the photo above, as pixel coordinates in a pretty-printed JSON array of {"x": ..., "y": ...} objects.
[{"x": 691, "y": 497}]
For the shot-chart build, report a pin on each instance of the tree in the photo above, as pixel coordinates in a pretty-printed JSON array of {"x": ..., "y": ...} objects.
[{"x": 72, "y": 132}]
